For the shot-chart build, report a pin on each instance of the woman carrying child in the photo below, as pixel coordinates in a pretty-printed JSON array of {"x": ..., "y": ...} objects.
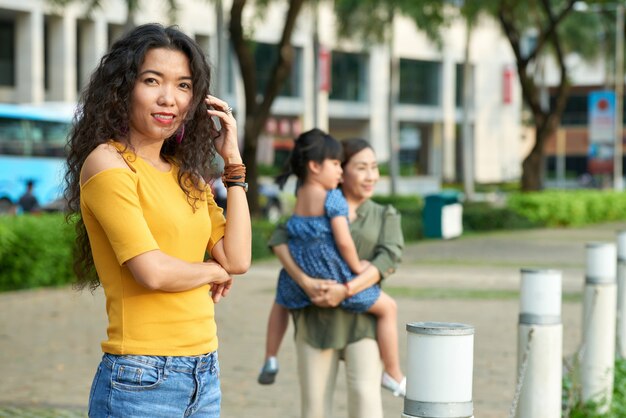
[{"x": 320, "y": 244}]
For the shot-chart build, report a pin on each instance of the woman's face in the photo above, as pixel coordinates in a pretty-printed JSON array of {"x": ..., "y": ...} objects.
[
  {"x": 161, "y": 96},
  {"x": 360, "y": 175}
]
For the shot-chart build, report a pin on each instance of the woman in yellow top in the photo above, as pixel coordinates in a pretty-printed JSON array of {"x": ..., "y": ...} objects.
[{"x": 141, "y": 146}]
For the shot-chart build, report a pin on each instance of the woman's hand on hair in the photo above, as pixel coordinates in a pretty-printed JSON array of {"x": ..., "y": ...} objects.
[{"x": 225, "y": 140}]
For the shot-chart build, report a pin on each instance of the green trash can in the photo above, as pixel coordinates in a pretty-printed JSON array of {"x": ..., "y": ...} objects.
[{"x": 443, "y": 215}]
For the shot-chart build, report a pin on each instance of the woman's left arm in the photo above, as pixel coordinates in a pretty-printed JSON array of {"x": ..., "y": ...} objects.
[{"x": 234, "y": 251}]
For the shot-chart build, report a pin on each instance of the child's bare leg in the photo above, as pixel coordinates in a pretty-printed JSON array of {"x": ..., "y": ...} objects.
[
  {"x": 276, "y": 328},
  {"x": 386, "y": 311}
]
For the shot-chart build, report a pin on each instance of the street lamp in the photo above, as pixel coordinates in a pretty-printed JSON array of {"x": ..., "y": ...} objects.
[{"x": 618, "y": 182}]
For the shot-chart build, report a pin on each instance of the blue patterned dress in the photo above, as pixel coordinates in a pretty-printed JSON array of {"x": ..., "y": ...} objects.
[{"x": 312, "y": 246}]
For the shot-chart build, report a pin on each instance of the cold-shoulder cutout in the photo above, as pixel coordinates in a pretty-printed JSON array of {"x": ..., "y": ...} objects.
[{"x": 103, "y": 157}]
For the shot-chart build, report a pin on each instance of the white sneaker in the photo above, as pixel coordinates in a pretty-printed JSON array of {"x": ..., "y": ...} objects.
[{"x": 397, "y": 388}]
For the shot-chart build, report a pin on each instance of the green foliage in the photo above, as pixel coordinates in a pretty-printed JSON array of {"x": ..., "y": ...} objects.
[
  {"x": 261, "y": 233},
  {"x": 569, "y": 208},
  {"x": 268, "y": 170},
  {"x": 406, "y": 170},
  {"x": 369, "y": 20},
  {"x": 575, "y": 408},
  {"x": 410, "y": 207},
  {"x": 35, "y": 251},
  {"x": 483, "y": 216}
]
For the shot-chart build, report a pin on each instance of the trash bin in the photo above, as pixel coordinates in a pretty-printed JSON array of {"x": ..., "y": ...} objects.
[{"x": 443, "y": 215}]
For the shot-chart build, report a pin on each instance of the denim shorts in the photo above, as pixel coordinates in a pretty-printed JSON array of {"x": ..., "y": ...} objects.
[{"x": 132, "y": 386}]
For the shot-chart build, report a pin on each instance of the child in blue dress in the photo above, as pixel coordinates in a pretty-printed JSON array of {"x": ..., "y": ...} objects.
[{"x": 321, "y": 245}]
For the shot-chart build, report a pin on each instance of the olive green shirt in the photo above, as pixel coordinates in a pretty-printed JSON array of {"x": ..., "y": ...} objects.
[{"x": 377, "y": 234}]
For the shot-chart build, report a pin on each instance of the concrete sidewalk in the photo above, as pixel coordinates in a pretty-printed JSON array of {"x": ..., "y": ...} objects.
[{"x": 49, "y": 338}]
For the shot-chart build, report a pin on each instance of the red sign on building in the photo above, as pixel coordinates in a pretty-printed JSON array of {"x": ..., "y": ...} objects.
[{"x": 507, "y": 85}]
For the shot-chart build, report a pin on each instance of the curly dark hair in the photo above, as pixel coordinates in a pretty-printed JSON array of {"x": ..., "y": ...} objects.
[{"x": 103, "y": 115}]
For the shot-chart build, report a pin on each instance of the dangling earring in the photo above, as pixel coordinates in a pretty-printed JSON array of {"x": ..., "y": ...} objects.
[{"x": 180, "y": 134}]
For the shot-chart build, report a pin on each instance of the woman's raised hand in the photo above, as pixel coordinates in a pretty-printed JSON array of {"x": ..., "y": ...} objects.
[{"x": 225, "y": 140}]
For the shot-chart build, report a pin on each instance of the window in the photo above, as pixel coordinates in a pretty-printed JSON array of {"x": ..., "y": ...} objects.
[
  {"x": 265, "y": 56},
  {"x": 349, "y": 77},
  {"x": 31, "y": 137},
  {"x": 7, "y": 53},
  {"x": 420, "y": 82}
]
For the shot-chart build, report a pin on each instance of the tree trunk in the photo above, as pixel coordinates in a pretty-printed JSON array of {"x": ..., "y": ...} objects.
[
  {"x": 533, "y": 170},
  {"x": 256, "y": 113}
]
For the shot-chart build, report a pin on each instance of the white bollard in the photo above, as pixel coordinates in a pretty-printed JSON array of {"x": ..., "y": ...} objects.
[
  {"x": 540, "y": 345},
  {"x": 621, "y": 294},
  {"x": 440, "y": 370},
  {"x": 599, "y": 318}
]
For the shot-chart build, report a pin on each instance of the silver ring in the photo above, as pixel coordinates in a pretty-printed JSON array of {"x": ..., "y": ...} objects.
[{"x": 229, "y": 110}]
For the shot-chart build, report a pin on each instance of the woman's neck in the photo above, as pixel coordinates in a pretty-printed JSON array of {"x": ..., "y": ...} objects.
[{"x": 150, "y": 152}]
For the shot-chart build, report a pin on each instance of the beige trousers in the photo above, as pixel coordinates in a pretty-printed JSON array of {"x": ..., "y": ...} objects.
[{"x": 317, "y": 370}]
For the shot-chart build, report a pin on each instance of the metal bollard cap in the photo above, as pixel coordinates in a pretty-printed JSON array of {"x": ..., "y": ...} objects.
[{"x": 439, "y": 328}]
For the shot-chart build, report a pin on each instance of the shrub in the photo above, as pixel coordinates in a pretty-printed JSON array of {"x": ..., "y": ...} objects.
[
  {"x": 261, "y": 233},
  {"x": 482, "y": 216},
  {"x": 35, "y": 251},
  {"x": 569, "y": 208},
  {"x": 410, "y": 207}
]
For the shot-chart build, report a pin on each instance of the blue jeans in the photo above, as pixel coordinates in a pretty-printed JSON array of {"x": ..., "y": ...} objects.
[{"x": 132, "y": 386}]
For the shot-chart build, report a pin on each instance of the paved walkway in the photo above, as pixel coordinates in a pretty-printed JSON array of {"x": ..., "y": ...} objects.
[{"x": 49, "y": 339}]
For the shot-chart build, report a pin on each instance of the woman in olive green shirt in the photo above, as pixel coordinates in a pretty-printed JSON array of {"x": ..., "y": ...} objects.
[{"x": 324, "y": 333}]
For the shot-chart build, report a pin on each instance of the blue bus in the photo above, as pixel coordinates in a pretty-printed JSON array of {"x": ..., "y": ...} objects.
[{"x": 32, "y": 148}]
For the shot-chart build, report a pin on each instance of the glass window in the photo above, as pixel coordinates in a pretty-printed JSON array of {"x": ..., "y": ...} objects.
[
  {"x": 7, "y": 53},
  {"x": 49, "y": 138},
  {"x": 349, "y": 77},
  {"x": 420, "y": 82},
  {"x": 576, "y": 109},
  {"x": 26, "y": 137},
  {"x": 265, "y": 56},
  {"x": 13, "y": 134}
]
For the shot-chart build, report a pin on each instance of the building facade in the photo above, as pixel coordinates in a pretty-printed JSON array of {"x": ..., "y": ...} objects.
[{"x": 409, "y": 89}]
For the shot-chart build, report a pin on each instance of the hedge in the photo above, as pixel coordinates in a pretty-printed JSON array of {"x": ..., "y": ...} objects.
[
  {"x": 569, "y": 208},
  {"x": 35, "y": 251},
  {"x": 410, "y": 207}
]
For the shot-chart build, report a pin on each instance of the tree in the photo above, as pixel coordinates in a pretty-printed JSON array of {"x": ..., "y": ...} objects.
[
  {"x": 258, "y": 107},
  {"x": 559, "y": 31}
]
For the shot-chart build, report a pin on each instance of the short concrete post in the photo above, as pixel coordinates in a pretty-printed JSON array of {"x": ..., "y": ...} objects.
[
  {"x": 540, "y": 345},
  {"x": 440, "y": 370},
  {"x": 599, "y": 318},
  {"x": 621, "y": 294}
]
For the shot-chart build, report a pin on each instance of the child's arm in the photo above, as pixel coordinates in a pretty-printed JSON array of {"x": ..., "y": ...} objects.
[{"x": 345, "y": 244}]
